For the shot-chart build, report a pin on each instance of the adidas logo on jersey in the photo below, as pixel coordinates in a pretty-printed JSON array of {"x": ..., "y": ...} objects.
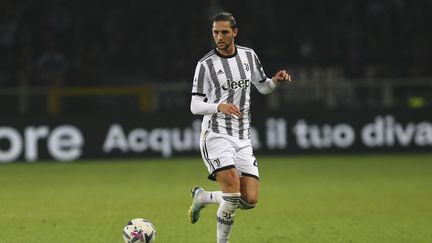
[
  {"x": 243, "y": 84},
  {"x": 220, "y": 72}
]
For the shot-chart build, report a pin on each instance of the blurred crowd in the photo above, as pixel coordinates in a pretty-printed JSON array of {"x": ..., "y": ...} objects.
[{"x": 59, "y": 42}]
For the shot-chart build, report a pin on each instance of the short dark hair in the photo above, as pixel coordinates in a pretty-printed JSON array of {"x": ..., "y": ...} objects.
[{"x": 225, "y": 16}]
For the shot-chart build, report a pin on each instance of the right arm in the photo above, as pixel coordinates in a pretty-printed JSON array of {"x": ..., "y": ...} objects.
[{"x": 199, "y": 106}]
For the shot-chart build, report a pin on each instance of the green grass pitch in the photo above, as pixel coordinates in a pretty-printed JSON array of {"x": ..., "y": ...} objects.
[{"x": 317, "y": 199}]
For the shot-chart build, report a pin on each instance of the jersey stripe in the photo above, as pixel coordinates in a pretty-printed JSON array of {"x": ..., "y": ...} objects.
[
  {"x": 251, "y": 63},
  {"x": 259, "y": 67},
  {"x": 214, "y": 122},
  {"x": 201, "y": 72},
  {"x": 242, "y": 96},
  {"x": 230, "y": 99},
  {"x": 252, "y": 67}
]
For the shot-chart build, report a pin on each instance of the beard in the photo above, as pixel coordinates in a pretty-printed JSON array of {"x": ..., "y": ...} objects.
[{"x": 224, "y": 46}]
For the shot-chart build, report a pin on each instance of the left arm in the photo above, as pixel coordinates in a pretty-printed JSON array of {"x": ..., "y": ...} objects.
[{"x": 266, "y": 85}]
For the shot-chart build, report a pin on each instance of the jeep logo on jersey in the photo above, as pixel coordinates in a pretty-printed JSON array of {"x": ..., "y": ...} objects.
[{"x": 242, "y": 83}]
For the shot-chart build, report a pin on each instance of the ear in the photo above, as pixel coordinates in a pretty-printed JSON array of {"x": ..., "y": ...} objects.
[{"x": 235, "y": 32}]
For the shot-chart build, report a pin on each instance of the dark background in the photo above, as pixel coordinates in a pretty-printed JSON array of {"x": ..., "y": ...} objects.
[
  {"x": 88, "y": 42},
  {"x": 349, "y": 55}
]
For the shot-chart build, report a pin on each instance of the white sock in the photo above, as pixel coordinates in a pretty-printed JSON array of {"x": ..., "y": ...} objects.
[
  {"x": 214, "y": 197},
  {"x": 222, "y": 240},
  {"x": 225, "y": 215}
]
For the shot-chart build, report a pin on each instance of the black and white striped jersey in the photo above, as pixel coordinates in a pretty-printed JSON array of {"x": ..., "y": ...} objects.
[{"x": 227, "y": 79}]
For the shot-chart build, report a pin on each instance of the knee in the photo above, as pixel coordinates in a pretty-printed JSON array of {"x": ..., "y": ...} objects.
[
  {"x": 250, "y": 196},
  {"x": 253, "y": 202},
  {"x": 248, "y": 203},
  {"x": 250, "y": 199}
]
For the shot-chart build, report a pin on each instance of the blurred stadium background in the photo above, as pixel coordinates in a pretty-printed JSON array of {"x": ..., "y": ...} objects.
[
  {"x": 354, "y": 63},
  {"x": 111, "y": 80},
  {"x": 342, "y": 54}
]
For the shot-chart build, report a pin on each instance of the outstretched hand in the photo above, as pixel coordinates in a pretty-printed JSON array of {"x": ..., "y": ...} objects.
[{"x": 281, "y": 76}]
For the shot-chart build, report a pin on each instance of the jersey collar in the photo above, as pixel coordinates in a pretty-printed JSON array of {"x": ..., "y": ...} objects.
[{"x": 229, "y": 56}]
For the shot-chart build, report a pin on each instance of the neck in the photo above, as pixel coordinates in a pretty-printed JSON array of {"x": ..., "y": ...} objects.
[{"x": 228, "y": 51}]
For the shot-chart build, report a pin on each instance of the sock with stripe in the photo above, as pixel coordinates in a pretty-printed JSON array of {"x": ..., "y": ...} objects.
[
  {"x": 245, "y": 205},
  {"x": 213, "y": 197},
  {"x": 225, "y": 215}
]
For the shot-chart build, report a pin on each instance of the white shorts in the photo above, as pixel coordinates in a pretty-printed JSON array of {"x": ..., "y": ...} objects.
[{"x": 221, "y": 152}]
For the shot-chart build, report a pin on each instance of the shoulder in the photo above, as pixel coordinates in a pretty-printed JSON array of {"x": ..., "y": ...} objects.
[
  {"x": 207, "y": 56},
  {"x": 246, "y": 50}
]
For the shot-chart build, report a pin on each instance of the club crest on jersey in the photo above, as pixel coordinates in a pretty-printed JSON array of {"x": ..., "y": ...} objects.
[
  {"x": 246, "y": 65},
  {"x": 242, "y": 83}
]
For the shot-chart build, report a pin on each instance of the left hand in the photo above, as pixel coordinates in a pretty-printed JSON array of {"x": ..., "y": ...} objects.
[{"x": 281, "y": 76}]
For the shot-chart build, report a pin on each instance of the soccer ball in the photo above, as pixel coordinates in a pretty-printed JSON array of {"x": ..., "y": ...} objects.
[{"x": 139, "y": 230}]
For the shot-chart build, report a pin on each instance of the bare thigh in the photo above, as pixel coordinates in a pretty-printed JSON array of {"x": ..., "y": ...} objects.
[{"x": 228, "y": 180}]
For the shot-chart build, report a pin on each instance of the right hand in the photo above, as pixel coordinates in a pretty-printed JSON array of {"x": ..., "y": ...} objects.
[{"x": 230, "y": 109}]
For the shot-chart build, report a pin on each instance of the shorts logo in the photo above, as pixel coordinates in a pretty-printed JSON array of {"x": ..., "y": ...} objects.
[
  {"x": 255, "y": 163},
  {"x": 217, "y": 162}
]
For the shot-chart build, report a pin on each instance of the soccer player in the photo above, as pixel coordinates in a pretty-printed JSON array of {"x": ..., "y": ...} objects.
[{"x": 221, "y": 92}]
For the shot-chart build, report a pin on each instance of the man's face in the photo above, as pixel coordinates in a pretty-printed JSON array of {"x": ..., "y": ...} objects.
[{"x": 223, "y": 34}]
